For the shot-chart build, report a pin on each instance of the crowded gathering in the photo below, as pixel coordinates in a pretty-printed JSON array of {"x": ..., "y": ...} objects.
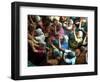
[{"x": 57, "y": 40}]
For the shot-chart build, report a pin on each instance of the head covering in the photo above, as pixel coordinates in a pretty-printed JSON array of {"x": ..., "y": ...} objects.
[
  {"x": 38, "y": 18},
  {"x": 39, "y": 31},
  {"x": 69, "y": 55}
]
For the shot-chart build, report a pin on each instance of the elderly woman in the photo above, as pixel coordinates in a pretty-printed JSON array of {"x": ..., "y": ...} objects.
[
  {"x": 58, "y": 29},
  {"x": 36, "y": 53},
  {"x": 40, "y": 37}
]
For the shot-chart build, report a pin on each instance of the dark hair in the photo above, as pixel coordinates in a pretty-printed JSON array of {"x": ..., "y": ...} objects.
[{"x": 69, "y": 55}]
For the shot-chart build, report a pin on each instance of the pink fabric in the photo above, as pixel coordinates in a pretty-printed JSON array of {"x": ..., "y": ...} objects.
[
  {"x": 40, "y": 50},
  {"x": 61, "y": 32}
]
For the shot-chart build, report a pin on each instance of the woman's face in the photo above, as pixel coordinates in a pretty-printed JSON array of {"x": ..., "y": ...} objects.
[{"x": 56, "y": 22}]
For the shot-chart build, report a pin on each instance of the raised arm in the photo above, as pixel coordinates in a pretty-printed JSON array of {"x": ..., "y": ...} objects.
[
  {"x": 75, "y": 34},
  {"x": 84, "y": 41},
  {"x": 80, "y": 23}
]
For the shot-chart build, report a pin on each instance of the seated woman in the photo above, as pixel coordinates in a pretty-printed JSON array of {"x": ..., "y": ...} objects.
[
  {"x": 58, "y": 27},
  {"x": 39, "y": 36},
  {"x": 39, "y": 22},
  {"x": 36, "y": 53},
  {"x": 55, "y": 45}
]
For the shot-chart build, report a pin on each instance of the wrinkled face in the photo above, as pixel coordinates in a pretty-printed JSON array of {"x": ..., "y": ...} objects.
[
  {"x": 77, "y": 52},
  {"x": 63, "y": 18}
]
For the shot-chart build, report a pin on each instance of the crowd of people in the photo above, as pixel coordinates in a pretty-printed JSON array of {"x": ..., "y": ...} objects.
[{"x": 57, "y": 40}]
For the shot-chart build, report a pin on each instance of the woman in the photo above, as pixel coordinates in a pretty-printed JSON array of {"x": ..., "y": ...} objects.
[{"x": 36, "y": 54}]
